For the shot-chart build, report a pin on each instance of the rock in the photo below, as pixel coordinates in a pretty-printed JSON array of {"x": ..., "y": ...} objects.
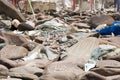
[
  {"x": 35, "y": 53},
  {"x": 15, "y": 23},
  {"x": 107, "y": 71},
  {"x": 28, "y": 25},
  {"x": 115, "y": 55},
  {"x": 30, "y": 45},
  {"x": 28, "y": 70},
  {"x": 25, "y": 27},
  {"x": 62, "y": 71},
  {"x": 93, "y": 34},
  {"x": 108, "y": 64},
  {"x": 59, "y": 76},
  {"x": 108, "y": 41},
  {"x": 102, "y": 19},
  {"x": 10, "y": 10},
  {"x": 116, "y": 16},
  {"x": 13, "y": 52},
  {"x": 12, "y": 79},
  {"x": 5, "y": 24},
  {"x": 115, "y": 39},
  {"x": 11, "y": 38},
  {"x": 3, "y": 68},
  {"x": 80, "y": 52},
  {"x": 92, "y": 76},
  {"x": 39, "y": 39},
  {"x": 41, "y": 63},
  {"x": 10, "y": 63},
  {"x": 51, "y": 55},
  {"x": 19, "y": 75},
  {"x": 81, "y": 25},
  {"x": 17, "y": 63},
  {"x": 114, "y": 77},
  {"x": 2, "y": 39}
]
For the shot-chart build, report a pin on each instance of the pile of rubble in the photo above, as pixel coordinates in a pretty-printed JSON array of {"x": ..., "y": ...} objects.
[{"x": 59, "y": 46}]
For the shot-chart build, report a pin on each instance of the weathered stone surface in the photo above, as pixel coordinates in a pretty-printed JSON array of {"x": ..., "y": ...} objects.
[
  {"x": 10, "y": 10},
  {"x": 116, "y": 16},
  {"x": 115, "y": 55},
  {"x": 34, "y": 54},
  {"x": 19, "y": 75},
  {"x": 2, "y": 39},
  {"x": 41, "y": 63},
  {"x": 25, "y": 27},
  {"x": 30, "y": 45},
  {"x": 28, "y": 70},
  {"x": 3, "y": 68},
  {"x": 60, "y": 76},
  {"x": 62, "y": 71},
  {"x": 11, "y": 38},
  {"x": 114, "y": 77},
  {"x": 107, "y": 71},
  {"x": 13, "y": 52},
  {"x": 5, "y": 24},
  {"x": 108, "y": 63},
  {"x": 102, "y": 19},
  {"x": 81, "y": 51},
  {"x": 92, "y": 76},
  {"x": 8, "y": 63},
  {"x": 104, "y": 41},
  {"x": 81, "y": 25},
  {"x": 115, "y": 39},
  {"x": 39, "y": 39},
  {"x": 12, "y": 79},
  {"x": 11, "y": 63}
]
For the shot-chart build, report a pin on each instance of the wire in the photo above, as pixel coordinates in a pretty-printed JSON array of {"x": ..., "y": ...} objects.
[{"x": 32, "y": 9}]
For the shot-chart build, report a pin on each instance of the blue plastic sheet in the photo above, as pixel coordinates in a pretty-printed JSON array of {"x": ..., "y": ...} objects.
[{"x": 114, "y": 28}]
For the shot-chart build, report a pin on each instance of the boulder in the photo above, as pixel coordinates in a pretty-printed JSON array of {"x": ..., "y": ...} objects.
[
  {"x": 101, "y": 19},
  {"x": 115, "y": 55},
  {"x": 3, "y": 68},
  {"x": 114, "y": 77},
  {"x": 108, "y": 63},
  {"x": 11, "y": 38},
  {"x": 13, "y": 63},
  {"x": 13, "y": 52},
  {"x": 28, "y": 25},
  {"x": 62, "y": 71},
  {"x": 92, "y": 76},
  {"x": 23, "y": 76},
  {"x": 30, "y": 45},
  {"x": 9, "y": 63},
  {"x": 107, "y": 71},
  {"x": 80, "y": 52},
  {"x": 28, "y": 70}
]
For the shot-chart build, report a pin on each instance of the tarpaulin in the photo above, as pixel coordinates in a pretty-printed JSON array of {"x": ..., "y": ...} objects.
[{"x": 114, "y": 28}]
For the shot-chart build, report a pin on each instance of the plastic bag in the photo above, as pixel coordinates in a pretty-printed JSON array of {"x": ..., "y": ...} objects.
[{"x": 114, "y": 28}]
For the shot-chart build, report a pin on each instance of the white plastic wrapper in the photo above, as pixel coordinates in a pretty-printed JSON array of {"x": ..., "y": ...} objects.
[{"x": 91, "y": 64}]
